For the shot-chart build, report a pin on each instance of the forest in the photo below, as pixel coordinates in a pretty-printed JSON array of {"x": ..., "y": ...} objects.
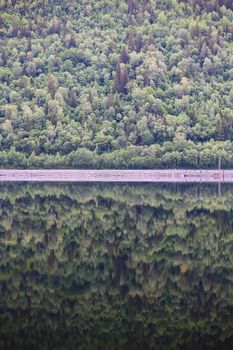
[
  {"x": 112, "y": 267},
  {"x": 116, "y": 83}
]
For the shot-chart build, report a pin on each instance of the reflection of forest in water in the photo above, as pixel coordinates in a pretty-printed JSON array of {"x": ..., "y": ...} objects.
[{"x": 116, "y": 267}]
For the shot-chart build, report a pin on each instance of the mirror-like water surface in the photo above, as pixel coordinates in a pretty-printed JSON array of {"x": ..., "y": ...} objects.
[{"x": 116, "y": 267}]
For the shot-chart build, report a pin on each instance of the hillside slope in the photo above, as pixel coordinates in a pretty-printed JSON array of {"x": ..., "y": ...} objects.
[{"x": 115, "y": 83}]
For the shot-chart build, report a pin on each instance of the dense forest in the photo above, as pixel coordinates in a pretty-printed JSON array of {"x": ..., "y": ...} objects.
[
  {"x": 116, "y": 83},
  {"x": 115, "y": 267}
]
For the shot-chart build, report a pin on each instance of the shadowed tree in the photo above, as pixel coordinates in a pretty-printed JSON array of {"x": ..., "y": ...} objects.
[
  {"x": 73, "y": 99},
  {"x": 121, "y": 78},
  {"x": 124, "y": 55}
]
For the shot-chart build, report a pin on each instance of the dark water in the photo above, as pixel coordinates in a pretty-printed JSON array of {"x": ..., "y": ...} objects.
[{"x": 116, "y": 267}]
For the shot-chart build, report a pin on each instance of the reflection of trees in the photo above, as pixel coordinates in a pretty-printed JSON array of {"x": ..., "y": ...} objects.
[{"x": 111, "y": 266}]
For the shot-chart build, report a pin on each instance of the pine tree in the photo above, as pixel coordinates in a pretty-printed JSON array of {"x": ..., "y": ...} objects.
[
  {"x": 4, "y": 57},
  {"x": 131, "y": 41},
  {"x": 121, "y": 78},
  {"x": 139, "y": 42},
  {"x": 72, "y": 99},
  {"x": 72, "y": 42},
  {"x": 52, "y": 85},
  {"x": 124, "y": 55}
]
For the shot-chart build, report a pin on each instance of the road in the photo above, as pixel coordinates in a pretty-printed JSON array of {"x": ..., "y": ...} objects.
[{"x": 68, "y": 175}]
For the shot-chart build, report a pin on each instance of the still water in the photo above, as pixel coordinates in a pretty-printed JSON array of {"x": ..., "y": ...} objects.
[{"x": 116, "y": 267}]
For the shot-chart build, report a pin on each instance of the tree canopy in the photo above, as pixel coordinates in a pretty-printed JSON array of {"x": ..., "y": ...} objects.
[{"x": 148, "y": 78}]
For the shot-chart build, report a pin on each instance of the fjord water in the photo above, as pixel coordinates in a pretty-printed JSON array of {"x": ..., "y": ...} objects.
[{"x": 106, "y": 266}]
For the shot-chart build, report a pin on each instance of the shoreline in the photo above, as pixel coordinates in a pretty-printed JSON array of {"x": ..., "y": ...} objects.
[{"x": 72, "y": 175}]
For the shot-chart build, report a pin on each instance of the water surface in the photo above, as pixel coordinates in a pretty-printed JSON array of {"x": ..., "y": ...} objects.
[{"x": 116, "y": 266}]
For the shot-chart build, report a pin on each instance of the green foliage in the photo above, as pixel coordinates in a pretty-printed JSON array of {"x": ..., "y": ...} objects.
[{"x": 109, "y": 76}]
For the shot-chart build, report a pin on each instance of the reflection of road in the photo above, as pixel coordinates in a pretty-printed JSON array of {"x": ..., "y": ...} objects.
[{"x": 171, "y": 175}]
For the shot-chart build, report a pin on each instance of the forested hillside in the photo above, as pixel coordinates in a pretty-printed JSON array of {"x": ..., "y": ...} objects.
[{"x": 116, "y": 83}]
